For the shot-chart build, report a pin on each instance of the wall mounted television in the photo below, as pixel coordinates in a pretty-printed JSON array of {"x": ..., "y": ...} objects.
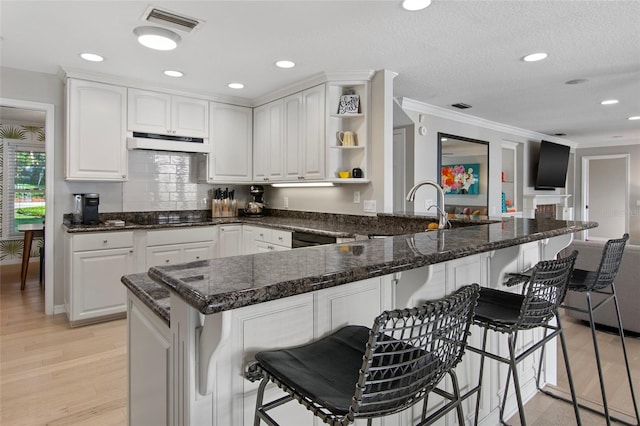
[{"x": 553, "y": 162}]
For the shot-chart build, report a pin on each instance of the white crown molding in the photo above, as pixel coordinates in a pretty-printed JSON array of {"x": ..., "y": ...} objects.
[
  {"x": 436, "y": 111},
  {"x": 64, "y": 73}
]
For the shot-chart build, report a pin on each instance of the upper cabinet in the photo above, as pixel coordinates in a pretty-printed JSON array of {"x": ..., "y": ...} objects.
[
  {"x": 96, "y": 131},
  {"x": 289, "y": 142},
  {"x": 161, "y": 113},
  {"x": 348, "y": 130},
  {"x": 230, "y": 139}
]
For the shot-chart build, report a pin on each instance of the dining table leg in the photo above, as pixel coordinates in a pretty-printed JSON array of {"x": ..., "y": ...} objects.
[{"x": 26, "y": 252}]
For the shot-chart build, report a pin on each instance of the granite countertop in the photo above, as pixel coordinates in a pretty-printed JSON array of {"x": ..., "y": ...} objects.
[{"x": 217, "y": 285}]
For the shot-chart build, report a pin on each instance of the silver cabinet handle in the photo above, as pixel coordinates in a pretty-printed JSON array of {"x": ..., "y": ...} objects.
[
  {"x": 105, "y": 241},
  {"x": 166, "y": 261}
]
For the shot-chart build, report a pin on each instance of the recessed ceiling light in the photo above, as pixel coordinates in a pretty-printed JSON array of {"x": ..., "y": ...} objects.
[
  {"x": 173, "y": 73},
  {"x": 535, "y": 57},
  {"x": 413, "y": 5},
  {"x": 157, "y": 38},
  {"x": 236, "y": 85},
  {"x": 91, "y": 57},
  {"x": 609, "y": 102},
  {"x": 285, "y": 64},
  {"x": 560, "y": 134},
  {"x": 635, "y": 117}
]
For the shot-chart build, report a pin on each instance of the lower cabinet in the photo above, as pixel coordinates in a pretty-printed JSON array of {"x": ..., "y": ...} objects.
[
  {"x": 94, "y": 265},
  {"x": 230, "y": 240},
  {"x": 260, "y": 240},
  {"x": 149, "y": 346},
  {"x": 171, "y": 246}
]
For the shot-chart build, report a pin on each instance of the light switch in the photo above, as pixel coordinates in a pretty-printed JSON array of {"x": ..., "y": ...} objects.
[
  {"x": 356, "y": 197},
  {"x": 286, "y": 202}
]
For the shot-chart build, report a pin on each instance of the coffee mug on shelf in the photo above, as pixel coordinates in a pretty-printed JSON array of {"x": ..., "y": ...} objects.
[{"x": 346, "y": 138}]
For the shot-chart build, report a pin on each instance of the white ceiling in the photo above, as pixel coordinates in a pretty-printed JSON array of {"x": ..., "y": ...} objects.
[{"x": 453, "y": 51}]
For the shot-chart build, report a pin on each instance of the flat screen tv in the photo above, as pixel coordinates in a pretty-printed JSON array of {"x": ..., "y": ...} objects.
[{"x": 552, "y": 166}]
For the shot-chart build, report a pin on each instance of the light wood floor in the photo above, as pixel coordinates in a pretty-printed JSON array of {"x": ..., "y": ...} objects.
[{"x": 51, "y": 374}]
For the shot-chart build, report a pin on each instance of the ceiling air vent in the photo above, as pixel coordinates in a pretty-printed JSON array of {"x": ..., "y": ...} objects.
[
  {"x": 169, "y": 19},
  {"x": 460, "y": 105}
]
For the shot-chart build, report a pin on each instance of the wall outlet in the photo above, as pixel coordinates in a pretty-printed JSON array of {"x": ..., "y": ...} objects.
[
  {"x": 370, "y": 206},
  {"x": 286, "y": 202},
  {"x": 356, "y": 197}
]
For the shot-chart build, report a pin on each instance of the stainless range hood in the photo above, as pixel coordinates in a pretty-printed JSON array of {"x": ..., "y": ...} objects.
[{"x": 154, "y": 142}]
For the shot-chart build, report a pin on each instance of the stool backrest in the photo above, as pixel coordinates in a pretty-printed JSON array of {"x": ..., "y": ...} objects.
[
  {"x": 410, "y": 350},
  {"x": 610, "y": 263},
  {"x": 545, "y": 291}
]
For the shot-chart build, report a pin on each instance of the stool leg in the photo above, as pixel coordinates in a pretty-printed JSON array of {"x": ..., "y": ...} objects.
[
  {"x": 624, "y": 351},
  {"x": 516, "y": 380},
  {"x": 597, "y": 353},
  {"x": 565, "y": 354},
  {"x": 259, "y": 399},
  {"x": 480, "y": 374}
]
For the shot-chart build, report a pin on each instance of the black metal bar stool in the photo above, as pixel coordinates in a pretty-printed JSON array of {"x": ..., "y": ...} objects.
[
  {"x": 358, "y": 372},
  {"x": 509, "y": 313},
  {"x": 601, "y": 282}
]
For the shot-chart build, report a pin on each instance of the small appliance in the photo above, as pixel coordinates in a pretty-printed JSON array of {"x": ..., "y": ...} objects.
[
  {"x": 90, "y": 204},
  {"x": 357, "y": 173},
  {"x": 256, "y": 207}
]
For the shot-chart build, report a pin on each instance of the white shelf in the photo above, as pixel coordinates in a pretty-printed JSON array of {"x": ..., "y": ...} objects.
[
  {"x": 349, "y": 180},
  {"x": 347, "y": 115},
  {"x": 348, "y": 147}
]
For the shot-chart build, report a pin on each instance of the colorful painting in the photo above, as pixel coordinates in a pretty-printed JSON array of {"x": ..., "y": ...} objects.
[{"x": 460, "y": 179}]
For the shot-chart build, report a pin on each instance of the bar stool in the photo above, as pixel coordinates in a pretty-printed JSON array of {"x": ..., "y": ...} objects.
[
  {"x": 509, "y": 313},
  {"x": 362, "y": 373},
  {"x": 601, "y": 282}
]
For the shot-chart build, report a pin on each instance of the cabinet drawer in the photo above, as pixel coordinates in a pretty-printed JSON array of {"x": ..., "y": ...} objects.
[
  {"x": 102, "y": 240},
  {"x": 180, "y": 236},
  {"x": 282, "y": 238}
]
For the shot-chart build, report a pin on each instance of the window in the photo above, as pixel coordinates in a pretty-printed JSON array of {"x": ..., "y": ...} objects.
[{"x": 24, "y": 186}]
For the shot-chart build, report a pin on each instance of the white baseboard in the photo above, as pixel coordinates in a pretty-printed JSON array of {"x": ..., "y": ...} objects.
[{"x": 59, "y": 309}]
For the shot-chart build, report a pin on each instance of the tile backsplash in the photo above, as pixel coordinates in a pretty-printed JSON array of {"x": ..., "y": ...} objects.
[{"x": 161, "y": 180}]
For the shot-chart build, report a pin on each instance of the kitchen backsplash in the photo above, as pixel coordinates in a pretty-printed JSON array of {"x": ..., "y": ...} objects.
[{"x": 163, "y": 181}]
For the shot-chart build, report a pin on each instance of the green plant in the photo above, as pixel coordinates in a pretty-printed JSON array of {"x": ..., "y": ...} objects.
[{"x": 37, "y": 211}]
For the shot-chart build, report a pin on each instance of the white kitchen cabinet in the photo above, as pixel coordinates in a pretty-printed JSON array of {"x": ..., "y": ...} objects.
[
  {"x": 346, "y": 158},
  {"x": 161, "y": 113},
  {"x": 230, "y": 240},
  {"x": 231, "y": 154},
  {"x": 149, "y": 343},
  {"x": 94, "y": 264},
  {"x": 96, "y": 131},
  {"x": 259, "y": 240},
  {"x": 268, "y": 142},
  {"x": 172, "y": 246},
  {"x": 312, "y": 158}
]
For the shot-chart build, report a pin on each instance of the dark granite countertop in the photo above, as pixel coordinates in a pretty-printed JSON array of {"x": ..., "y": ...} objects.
[{"x": 221, "y": 284}]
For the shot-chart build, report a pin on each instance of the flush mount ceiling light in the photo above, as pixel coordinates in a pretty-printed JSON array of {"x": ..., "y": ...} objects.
[
  {"x": 302, "y": 184},
  {"x": 173, "y": 73},
  {"x": 414, "y": 5},
  {"x": 92, "y": 57},
  {"x": 535, "y": 57},
  {"x": 236, "y": 85},
  {"x": 157, "y": 38},
  {"x": 285, "y": 64},
  {"x": 635, "y": 117},
  {"x": 609, "y": 102}
]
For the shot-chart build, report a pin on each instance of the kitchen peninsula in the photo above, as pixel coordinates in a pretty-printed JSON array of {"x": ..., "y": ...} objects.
[{"x": 193, "y": 327}]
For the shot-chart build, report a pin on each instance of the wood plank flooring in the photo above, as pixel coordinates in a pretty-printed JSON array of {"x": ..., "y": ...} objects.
[{"x": 51, "y": 374}]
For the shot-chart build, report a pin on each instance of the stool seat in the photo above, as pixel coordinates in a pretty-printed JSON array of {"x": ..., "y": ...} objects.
[
  {"x": 498, "y": 307},
  {"x": 583, "y": 281}
]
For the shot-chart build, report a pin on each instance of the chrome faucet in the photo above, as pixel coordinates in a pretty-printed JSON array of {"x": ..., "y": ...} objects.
[{"x": 442, "y": 216}]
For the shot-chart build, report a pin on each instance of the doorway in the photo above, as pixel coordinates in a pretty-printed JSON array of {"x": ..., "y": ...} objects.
[
  {"x": 27, "y": 107},
  {"x": 605, "y": 189}
]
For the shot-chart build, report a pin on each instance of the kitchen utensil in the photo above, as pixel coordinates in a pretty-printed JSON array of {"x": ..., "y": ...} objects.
[
  {"x": 344, "y": 174},
  {"x": 346, "y": 138},
  {"x": 357, "y": 173}
]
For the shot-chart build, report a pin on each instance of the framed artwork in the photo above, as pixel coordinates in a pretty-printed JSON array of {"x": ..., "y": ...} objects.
[
  {"x": 349, "y": 104},
  {"x": 460, "y": 179}
]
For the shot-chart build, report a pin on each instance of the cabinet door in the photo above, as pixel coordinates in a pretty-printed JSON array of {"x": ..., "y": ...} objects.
[
  {"x": 163, "y": 255},
  {"x": 96, "y": 287},
  {"x": 96, "y": 136},
  {"x": 231, "y": 141},
  {"x": 293, "y": 137},
  {"x": 313, "y": 140},
  {"x": 230, "y": 240},
  {"x": 249, "y": 240},
  {"x": 149, "y": 112},
  {"x": 268, "y": 142},
  {"x": 189, "y": 117}
]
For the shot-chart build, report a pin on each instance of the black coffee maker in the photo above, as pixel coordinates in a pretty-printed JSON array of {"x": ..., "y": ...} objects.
[
  {"x": 255, "y": 207},
  {"x": 90, "y": 204}
]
